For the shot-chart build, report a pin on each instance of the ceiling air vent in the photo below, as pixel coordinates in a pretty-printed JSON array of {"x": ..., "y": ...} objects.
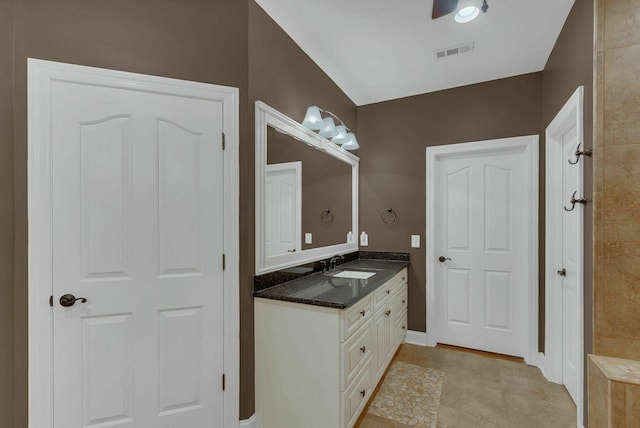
[{"x": 455, "y": 50}]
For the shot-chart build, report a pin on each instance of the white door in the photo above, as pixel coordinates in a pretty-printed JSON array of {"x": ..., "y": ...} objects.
[
  {"x": 564, "y": 249},
  {"x": 137, "y": 230},
  {"x": 572, "y": 265},
  {"x": 481, "y": 249},
  {"x": 283, "y": 205}
]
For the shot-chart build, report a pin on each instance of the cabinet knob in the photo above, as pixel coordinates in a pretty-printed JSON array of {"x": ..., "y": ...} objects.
[
  {"x": 388, "y": 291},
  {"x": 404, "y": 301},
  {"x": 388, "y": 312},
  {"x": 403, "y": 327},
  {"x": 404, "y": 278},
  {"x": 362, "y": 312},
  {"x": 363, "y": 392},
  {"x": 363, "y": 349}
]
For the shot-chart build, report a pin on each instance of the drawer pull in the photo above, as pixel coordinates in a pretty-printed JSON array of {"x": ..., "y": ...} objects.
[
  {"x": 388, "y": 312},
  {"x": 388, "y": 291},
  {"x": 362, "y": 312},
  {"x": 363, "y": 349},
  {"x": 363, "y": 392}
]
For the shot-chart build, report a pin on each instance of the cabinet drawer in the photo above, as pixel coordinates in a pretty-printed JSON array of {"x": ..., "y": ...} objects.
[
  {"x": 356, "y": 351},
  {"x": 356, "y": 396},
  {"x": 382, "y": 294},
  {"x": 354, "y": 317},
  {"x": 402, "y": 300}
]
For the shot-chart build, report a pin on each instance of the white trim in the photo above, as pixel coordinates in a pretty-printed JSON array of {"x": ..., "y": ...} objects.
[
  {"x": 40, "y": 76},
  {"x": 268, "y": 116},
  {"x": 529, "y": 146},
  {"x": 542, "y": 364},
  {"x": 417, "y": 338},
  {"x": 249, "y": 423},
  {"x": 571, "y": 114}
]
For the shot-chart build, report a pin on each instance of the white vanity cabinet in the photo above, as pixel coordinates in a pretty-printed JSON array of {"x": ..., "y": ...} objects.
[{"x": 316, "y": 366}]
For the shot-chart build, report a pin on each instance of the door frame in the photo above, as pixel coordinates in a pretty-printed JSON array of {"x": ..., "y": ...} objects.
[
  {"x": 571, "y": 114},
  {"x": 297, "y": 167},
  {"x": 529, "y": 146},
  {"x": 41, "y": 74}
]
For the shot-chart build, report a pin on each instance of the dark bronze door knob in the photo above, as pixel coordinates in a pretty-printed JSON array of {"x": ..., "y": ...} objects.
[
  {"x": 69, "y": 300},
  {"x": 443, "y": 259}
]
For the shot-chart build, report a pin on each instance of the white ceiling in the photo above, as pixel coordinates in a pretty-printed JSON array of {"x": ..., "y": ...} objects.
[{"x": 376, "y": 50}]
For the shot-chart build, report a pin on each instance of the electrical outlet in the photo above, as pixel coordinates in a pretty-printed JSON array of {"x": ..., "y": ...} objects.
[
  {"x": 415, "y": 241},
  {"x": 364, "y": 239},
  {"x": 308, "y": 238}
]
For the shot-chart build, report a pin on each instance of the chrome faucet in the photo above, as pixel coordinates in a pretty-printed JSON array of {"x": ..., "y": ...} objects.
[{"x": 332, "y": 262}]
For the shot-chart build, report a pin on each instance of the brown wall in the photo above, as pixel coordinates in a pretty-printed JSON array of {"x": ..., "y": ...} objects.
[
  {"x": 326, "y": 185},
  {"x": 617, "y": 180},
  {"x": 6, "y": 213},
  {"x": 283, "y": 76},
  {"x": 188, "y": 39},
  {"x": 571, "y": 65},
  {"x": 394, "y": 135}
]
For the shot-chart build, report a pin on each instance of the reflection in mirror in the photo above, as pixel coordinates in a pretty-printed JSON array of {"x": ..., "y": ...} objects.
[{"x": 308, "y": 196}]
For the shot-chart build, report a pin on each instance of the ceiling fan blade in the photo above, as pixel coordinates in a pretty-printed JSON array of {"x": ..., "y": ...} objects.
[{"x": 443, "y": 7}]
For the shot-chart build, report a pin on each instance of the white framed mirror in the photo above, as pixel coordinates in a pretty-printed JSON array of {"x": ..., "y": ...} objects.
[{"x": 306, "y": 194}]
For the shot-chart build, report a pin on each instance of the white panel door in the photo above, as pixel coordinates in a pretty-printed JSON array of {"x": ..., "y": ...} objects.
[
  {"x": 137, "y": 198},
  {"x": 571, "y": 251},
  {"x": 480, "y": 234},
  {"x": 283, "y": 206}
]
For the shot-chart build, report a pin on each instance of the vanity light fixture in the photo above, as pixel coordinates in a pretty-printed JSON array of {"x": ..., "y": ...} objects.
[{"x": 321, "y": 120}]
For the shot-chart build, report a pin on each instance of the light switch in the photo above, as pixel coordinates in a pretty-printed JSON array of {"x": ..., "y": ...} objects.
[
  {"x": 308, "y": 238},
  {"x": 415, "y": 241}
]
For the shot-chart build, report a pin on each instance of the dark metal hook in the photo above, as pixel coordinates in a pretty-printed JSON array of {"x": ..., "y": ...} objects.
[
  {"x": 575, "y": 201},
  {"x": 578, "y": 153}
]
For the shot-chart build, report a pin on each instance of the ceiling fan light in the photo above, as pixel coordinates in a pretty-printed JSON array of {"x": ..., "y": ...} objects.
[
  {"x": 467, "y": 14},
  {"x": 313, "y": 119}
]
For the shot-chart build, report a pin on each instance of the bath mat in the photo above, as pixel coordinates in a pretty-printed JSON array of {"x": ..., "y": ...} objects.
[{"x": 410, "y": 395}]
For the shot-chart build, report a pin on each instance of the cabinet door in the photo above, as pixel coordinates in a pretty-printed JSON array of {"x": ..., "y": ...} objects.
[
  {"x": 381, "y": 327},
  {"x": 390, "y": 317}
]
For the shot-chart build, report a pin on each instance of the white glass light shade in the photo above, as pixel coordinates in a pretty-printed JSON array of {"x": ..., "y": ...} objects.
[
  {"x": 352, "y": 144},
  {"x": 328, "y": 130},
  {"x": 313, "y": 119},
  {"x": 342, "y": 136}
]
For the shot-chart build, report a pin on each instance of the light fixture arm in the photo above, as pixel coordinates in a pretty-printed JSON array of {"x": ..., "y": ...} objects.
[{"x": 335, "y": 116}]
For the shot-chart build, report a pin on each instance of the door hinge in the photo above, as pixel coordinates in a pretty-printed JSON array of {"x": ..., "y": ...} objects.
[
  {"x": 224, "y": 381},
  {"x": 51, "y": 301},
  {"x": 224, "y": 141},
  {"x": 224, "y": 262}
]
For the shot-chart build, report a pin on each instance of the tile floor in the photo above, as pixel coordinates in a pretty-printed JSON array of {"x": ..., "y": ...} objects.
[{"x": 487, "y": 390}]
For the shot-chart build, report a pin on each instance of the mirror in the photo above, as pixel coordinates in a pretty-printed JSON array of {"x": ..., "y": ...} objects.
[{"x": 306, "y": 194}]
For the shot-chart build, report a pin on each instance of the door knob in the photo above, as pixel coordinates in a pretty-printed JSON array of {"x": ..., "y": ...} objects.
[
  {"x": 69, "y": 300},
  {"x": 443, "y": 259},
  {"x": 562, "y": 272}
]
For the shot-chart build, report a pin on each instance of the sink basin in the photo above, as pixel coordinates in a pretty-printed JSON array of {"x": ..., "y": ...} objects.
[{"x": 354, "y": 274}]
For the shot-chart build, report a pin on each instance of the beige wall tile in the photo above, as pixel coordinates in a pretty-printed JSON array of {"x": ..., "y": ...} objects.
[
  {"x": 632, "y": 405},
  {"x": 622, "y": 96},
  {"x": 620, "y": 304},
  {"x": 617, "y": 403},
  {"x": 617, "y": 347},
  {"x": 599, "y": 25},
  {"x": 598, "y": 396},
  {"x": 622, "y": 193},
  {"x": 621, "y": 23},
  {"x": 598, "y": 293},
  {"x": 598, "y": 194}
]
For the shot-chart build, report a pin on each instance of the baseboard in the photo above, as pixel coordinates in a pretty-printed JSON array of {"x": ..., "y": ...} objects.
[
  {"x": 249, "y": 423},
  {"x": 417, "y": 338},
  {"x": 541, "y": 364}
]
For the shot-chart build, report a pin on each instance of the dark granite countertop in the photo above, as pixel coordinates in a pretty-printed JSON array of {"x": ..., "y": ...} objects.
[{"x": 326, "y": 290}]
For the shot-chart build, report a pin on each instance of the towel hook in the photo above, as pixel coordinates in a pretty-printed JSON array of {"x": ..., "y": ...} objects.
[
  {"x": 578, "y": 153},
  {"x": 575, "y": 201},
  {"x": 386, "y": 218},
  {"x": 326, "y": 216}
]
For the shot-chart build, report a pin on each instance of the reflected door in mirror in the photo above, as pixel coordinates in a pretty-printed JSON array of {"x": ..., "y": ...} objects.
[{"x": 283, "y": 206}]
